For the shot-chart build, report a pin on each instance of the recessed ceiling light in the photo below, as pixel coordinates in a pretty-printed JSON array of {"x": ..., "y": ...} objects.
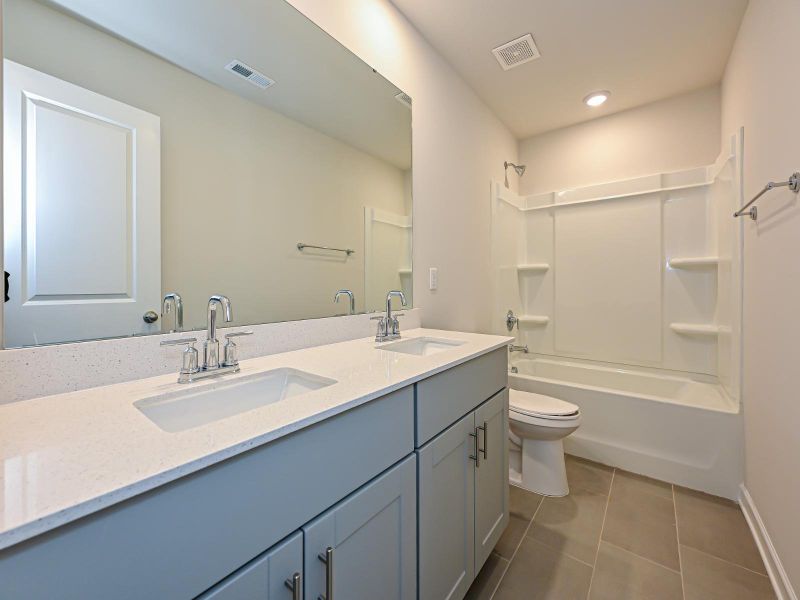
[{"x": 597, "y": 98}]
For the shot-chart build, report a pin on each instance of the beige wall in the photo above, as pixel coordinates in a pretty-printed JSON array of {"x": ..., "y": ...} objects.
[
  {"x": 458, "y": 146},
  {"x": 761, "y": 92},
  {"x": 241, "y": 184},
  {"x": 668, "y": 135}
]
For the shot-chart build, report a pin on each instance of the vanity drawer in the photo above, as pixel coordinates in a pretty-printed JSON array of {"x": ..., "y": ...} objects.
[
  {"x": 443, "y": 399},
  {"x": 180, "y": 539}
]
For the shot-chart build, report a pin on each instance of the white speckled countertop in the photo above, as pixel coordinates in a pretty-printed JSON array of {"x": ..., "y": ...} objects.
[{"x": 69, "y": 455}]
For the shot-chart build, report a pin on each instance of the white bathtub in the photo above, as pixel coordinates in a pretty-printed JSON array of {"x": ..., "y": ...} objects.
[{"x": 681, "y": 429}]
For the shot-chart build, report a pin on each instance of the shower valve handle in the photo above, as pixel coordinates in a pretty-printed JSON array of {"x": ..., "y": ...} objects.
[{"x": 511, "y": 320}]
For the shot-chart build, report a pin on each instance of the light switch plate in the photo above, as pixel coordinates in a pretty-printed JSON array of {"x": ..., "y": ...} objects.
[{"x": 433, "y": 281}]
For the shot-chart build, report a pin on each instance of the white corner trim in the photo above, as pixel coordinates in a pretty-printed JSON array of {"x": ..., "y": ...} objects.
[{"x": 777, "y": 575}]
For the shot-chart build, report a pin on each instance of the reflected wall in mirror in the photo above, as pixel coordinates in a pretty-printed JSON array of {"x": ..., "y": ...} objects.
[{"x": 183, "y": 147}]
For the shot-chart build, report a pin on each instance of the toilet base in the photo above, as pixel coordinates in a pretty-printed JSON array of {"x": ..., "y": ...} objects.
[{"x": 543, "y": 468}]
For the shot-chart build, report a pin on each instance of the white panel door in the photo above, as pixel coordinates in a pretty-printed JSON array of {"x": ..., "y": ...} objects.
[{"x": 82, "y": 212}]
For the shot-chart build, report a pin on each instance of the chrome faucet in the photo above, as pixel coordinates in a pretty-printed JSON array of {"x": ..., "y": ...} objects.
[
  {"x": 388, "y": 325},
  {"x": 349, "y": 293},
  {"x": 211, "y": 366},
  {"x": 174, "y": 301},
  {"x": 513, "y": 348},
  {"x": 211, "y": 345}
]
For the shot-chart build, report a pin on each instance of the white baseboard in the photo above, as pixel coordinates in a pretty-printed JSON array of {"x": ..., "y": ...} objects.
[{"x": 772, "y": 562}]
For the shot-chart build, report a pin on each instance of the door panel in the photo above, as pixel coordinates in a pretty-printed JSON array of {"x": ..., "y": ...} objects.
[
  {"x": 264, "y": 578},
  {"x": 81, "y": 211},
  {"x": 446, "y": 513},
  {"x": 373, "y": 536},
  {"x": 491, "y": 477}
]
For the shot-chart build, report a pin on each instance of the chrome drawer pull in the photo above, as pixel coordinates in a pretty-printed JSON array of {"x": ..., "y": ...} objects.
[
  {"x": 476, "y": 457},
  {"x": 327, "y": 558},
  {"x": 294, "y": 585},
  {"x": 485, "y": 441}
]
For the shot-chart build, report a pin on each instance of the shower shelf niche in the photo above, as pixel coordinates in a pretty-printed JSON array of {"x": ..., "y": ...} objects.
[
  {"x": 533, "y": 268},
  {"x": 695, "y": 329},
  {"x": 696, "y": 262},
  {"x": 533, "y": 320}
]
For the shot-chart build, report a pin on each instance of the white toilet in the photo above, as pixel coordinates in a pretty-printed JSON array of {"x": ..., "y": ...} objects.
[{"x": 537, "y": 425}]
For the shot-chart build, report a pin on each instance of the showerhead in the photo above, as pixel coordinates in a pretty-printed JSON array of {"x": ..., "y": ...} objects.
[{"x": 520, "y": 169}]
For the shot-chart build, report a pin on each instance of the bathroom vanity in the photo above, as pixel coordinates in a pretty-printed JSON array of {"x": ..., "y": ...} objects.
[{"x": 389, "y": 481}]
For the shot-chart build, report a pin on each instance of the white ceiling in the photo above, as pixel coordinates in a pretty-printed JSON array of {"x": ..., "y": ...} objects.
[
  {"x": 640, "y": 50},
  {"x": 319, "y": 82}
]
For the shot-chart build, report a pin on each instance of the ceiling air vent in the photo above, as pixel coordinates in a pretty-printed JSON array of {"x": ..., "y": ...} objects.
[
  {"x": 250, "y": 74},
  {"x": 403, "y": 98},
  {"x": 516, "y": 52}
]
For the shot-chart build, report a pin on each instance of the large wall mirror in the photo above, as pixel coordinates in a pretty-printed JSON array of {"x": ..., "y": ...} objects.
[{"x": 193, "y": 147}]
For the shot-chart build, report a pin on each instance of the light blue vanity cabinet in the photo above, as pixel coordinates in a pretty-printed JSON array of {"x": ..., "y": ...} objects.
[
  {"x": 266, "y": 577},
  {"x": 491, "y": 477},
  {"x": 462, "y": 474},
  {"x": 400, "y": 498},
  {"x": 364, "y": 547},
  {"x": 179, "y": 540},
  {"x": 446, "y": 490},
  {"x": 368, "y": 542}
]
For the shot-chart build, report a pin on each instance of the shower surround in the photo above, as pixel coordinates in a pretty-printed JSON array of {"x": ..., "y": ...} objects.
[{"x": 635, "y": 285}]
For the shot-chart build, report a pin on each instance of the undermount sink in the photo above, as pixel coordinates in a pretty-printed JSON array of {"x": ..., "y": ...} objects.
[
  {"x": 191, "y": 407},
  {"x": 422, "y": 346}
]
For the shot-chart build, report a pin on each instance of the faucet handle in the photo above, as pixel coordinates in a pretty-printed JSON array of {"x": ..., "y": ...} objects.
[
  {"x": 231, "y": 352},
  {"x": 237, "y": 334},
  {"x": 178, "y": 341},
  {"x": 189, "y": 364},
  {"x": 383, "y": 328},
  {"x": 395, "y": 324}
]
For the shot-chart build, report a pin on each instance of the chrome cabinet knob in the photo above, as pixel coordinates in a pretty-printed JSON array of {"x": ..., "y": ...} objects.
[{"x": 150, "y": 316}]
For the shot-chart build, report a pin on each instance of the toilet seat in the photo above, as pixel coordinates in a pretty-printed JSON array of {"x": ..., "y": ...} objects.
[{"x": 528, "y": 405}]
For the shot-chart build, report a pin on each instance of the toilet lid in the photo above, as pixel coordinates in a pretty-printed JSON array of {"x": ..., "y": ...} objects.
[{"x": 532, "y": 404}]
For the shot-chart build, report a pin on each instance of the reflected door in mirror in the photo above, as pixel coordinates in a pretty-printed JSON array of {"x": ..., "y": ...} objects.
[{"x": 81, "y": 210}]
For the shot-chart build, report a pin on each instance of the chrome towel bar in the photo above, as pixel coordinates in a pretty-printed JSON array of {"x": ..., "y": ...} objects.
[
  {"x": 348, "y": 251},
  {"x": 793, "y": 184}
]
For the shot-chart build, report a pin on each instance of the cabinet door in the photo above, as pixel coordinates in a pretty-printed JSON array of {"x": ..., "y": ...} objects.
[
  {"x": 371, "y": 541},
  {"x": 491, "y": 476},
  {"x": 446, "y": 486},
  {"x": 264, "y": 577}
]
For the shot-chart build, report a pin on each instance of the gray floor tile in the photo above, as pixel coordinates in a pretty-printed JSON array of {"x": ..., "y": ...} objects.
[
  {"x": 641, "y": 519},
  {"x": 488, "y": 578},
  {"x": 522, "y": 503},
  {"x": 541, "y": 573},
  {"x": 620, "y": 575},
  {"x": 571, "y": 524},
  {"x": 511, "y": 537},
  {"x": 586, "y": 475},
  {"x": 706, "y": 577},
  {"x": 625, "y": 480},
  {"x": 716, "y": 526}
]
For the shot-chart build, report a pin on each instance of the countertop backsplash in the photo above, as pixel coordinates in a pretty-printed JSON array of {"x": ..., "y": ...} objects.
[{"x": 45, "y": 370}]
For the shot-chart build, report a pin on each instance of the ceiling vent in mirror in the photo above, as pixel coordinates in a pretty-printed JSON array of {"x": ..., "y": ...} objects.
[
  {"x": 250, "y": 74},
  {"x": 516, "y": 52},
  {"x": 403, "y": 98}
]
